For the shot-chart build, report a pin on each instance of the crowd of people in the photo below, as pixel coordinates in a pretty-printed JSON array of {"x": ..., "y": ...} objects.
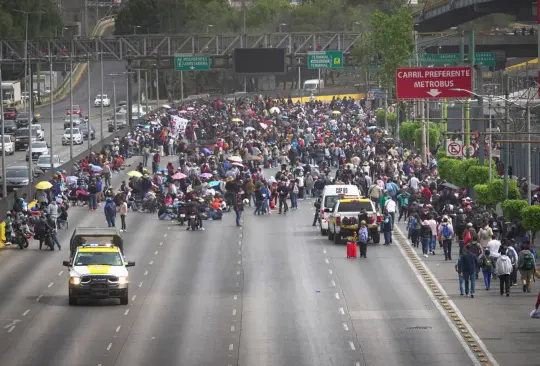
[{"x": 222, "y": 152}]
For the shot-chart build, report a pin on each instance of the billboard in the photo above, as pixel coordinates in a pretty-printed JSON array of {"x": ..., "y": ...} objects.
[{"x": 257, "y": 61}]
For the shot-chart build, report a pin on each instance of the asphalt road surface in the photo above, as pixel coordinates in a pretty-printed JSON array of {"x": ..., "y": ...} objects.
[{"x": 273, "y": 292}]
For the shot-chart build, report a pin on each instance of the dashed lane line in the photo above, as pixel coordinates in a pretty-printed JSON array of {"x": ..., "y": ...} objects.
[
  {"x": 118, "y": 328},
  {"x": 234, "y": 312},
  {"x": 26, "y": 312},
  {"x": 126, "y": 312},
  {"x": 337, "y": 296},
  {"x": 345, "y": 326},
  {"x": 50, "y": 285},
  {"x": 109, "y": 346},
  {"x": 60, "y": 273},
  {"x": 39, "y": 298},
  {"x": 352, "y": 345},
  {"x": 233, "y": 328},
  {"x": 146, "y": 273},
  {"x": 341, "y": 311},
  {"x": 466, "y": 336}
]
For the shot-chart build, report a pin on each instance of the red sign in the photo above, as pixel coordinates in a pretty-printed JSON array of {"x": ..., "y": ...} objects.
[{"x": 433, "y": 82}]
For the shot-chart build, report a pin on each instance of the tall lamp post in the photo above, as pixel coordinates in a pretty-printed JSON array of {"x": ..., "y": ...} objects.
[
  {"x": 114, "y": 97},
  {"x": 4, "y": 182}
]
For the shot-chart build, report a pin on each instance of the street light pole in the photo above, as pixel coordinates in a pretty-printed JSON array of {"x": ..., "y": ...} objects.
[
  {"x": 146, "y": 89},
  {"x": 529, "y": 155},
  {"x": 70, "y": 107},
  {"x": 157, "y": 86},
  {"x": 51, "y": 124},
  {"x": 101, "y": 106},
  {"x": 4, "y": 182},
  {"x": 114, "y": 101},
  {"x": 89, "y": 105}
]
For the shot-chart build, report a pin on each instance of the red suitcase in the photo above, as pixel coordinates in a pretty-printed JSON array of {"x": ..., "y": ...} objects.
[{"x": 351, "y": 249}]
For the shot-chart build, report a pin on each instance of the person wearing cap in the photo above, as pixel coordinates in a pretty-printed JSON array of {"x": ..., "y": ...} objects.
[
  {"x": 110, "y": 212},
  {"x": 363, "y": 238}
]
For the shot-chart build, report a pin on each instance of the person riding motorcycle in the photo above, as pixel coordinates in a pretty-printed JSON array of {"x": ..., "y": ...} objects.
[
  {"x": 41, "y": 228},
  {"x": 193, "y": 207}
]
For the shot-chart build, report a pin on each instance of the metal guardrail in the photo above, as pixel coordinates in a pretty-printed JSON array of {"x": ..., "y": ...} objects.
[{"x": 430, "y": 5}]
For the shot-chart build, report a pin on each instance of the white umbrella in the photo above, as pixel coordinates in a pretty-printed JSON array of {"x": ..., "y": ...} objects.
[
  {"x": 235, "y": 159},
  {"x": 166, "y": 106},
  {"x": 249, "y": 129},
  {"x": 274, "y": 110},
  {"x": 238, "y": 164}
]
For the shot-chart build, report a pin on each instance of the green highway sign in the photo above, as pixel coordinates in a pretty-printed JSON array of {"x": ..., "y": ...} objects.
[
  {"x": 325, "y": 60},
  {"x": 191, "y": 63},
  {"x": 484, "y": 58}
]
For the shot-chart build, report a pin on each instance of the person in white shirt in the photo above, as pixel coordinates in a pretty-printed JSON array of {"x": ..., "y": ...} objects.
[
  {"x": 493, "y": 246},
  {"x": 413, "y": 183},
  {"x": 390, "y": 206},
  {"x": 504, "y": 269}
]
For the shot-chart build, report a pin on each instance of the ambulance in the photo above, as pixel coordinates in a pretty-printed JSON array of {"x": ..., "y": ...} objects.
[{"x": 332, "y": 194}]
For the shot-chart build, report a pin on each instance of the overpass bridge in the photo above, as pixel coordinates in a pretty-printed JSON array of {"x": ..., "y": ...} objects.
[
  {"x": 521, "y": 46},
  {"x": 438, "y": 15}
]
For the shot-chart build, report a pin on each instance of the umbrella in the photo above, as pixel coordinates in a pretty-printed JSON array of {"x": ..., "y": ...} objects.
[
  {"x": 166, "y": 106},
  {"x": 206, "y": 175},
  {"x": 249, "y": 129},
  {"x": 274, "y": 110},
  {"x": 71, "y": 180},
  {"x": 207, "y": 150},
  {"x": 190, "y": 109},
  {"x": 178, "y": 176},
  {"x": 236, "y": 120},
  {"x": 235, "y": 159},
  {"x": 134, "y": 173},
  {"x": 162, "y": 169},
  {"x": 337, "y": 113},
  {"x": 238, "y": 164},
  {"x": 214, "y": 183},
  {"x": 264, "y": 126},
  {"x": 43, "y": 185},
  {"x": 447, "y": 185},
  {"x": 96, "y": 168}
]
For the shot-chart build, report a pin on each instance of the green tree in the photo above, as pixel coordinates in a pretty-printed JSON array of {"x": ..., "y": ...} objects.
[
  {"x": 531, "y": 219},
  {"x": 496, "y": 189},
  {"x": 512, "y": 208},
  {"x": 459, "y": 173},
  {"x": 390, "y": 42},
  {"x": 406, "y": 131},
  {"x": 447, "y": 167},
  {"x": 483, "y": 195},
  {"x": 433, "y": 134},
  {"x": 477, "y": 175},
  {"x": 13, "y": 23}
]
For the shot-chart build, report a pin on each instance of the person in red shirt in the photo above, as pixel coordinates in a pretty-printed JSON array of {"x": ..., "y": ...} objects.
[{"x": 426, "y": 193}]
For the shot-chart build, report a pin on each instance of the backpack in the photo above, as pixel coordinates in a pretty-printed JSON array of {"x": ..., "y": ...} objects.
[
  {"x": 528, "y": 261},
  {"x": 487, "y": 263},
  {"x": 109, "y": 210},
  {"x": 446, "y": 232}
]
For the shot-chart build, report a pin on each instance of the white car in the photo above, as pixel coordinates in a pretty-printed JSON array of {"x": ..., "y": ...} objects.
[
  {"x": 8, "y": 145},
  {"x": 102, "y": 99},
  {"x": 77, "y": 137},
  {"x": 40, "y": 132},
  {"x": 77, "y": 120}
]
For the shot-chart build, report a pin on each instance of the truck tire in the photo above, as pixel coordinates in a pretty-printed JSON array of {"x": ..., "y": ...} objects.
[
  {"x": 72, "y": 301},
  {"x": 323, "y": 232},
  {"x": 330, "y": 234},
  {"x": 337, "y": 238},
  {"x": 124, "y": 300}
]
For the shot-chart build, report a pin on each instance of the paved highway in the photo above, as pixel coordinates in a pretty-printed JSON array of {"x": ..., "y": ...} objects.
[{"x": 273, "y": 292}]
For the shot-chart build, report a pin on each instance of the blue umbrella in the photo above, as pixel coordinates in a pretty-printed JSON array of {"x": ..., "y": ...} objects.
[
  {"x": 96, "y": 168},
  {"x": 214, "y": 183},
  {"x": 207, "y": 150},
  {"x": 162, "y": 169}
]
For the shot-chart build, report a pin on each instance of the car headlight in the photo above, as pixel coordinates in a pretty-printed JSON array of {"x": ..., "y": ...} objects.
[
  {"x": 122, "y": 280},
  {"x": 75, "y": 280}
]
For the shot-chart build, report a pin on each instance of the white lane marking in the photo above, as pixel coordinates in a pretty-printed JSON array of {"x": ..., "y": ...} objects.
[
  {"x": 324, "y": 251},
  {"x": 240, "y": 235},
  {"x": 164, "y": 235},
  {"x": 39, "y": 297},
  {"x": 169, "y": 228},
  {"x": 341, "y": 311},
  {"x": 50, "y": 285},
  {"x": 240, "y": 242},
  {"x": 237, "y": 272},
  {"x": 337, "y": 296},
  {"x": 126, "y": 312},
  {"x": 151, "y": 262},
  {"x": 146, "y": 273},
  {"x": 330, "y": 271},
  {"x": 239, "y": 252},
  {"x": 133, "y": 297},
  {"x": 233, "y": 328},
  {"x": 160, "y": 243},
  {"x": 231, "y": 347},
  {"x": 109, "y": 347},
  {"x": 235, "y": 297},
  {"x": 326, "y": 260},
  {"x": 239, "y": 262},
  {"x": 26, "y": 312},
  {"x": 345, "y": 326},
  {"x": 60, "y": 273},
  {"x": 118, "y": 328},
  {"x": 443, "y": 312},
  {"x": 233, "y": 312},
  {"x": 11, "y": 329},
  {"x": 156, "y": 252},
  {"x": 140, "y": 284},
  {"x": 333, "y": 283},
  {"x": 352, "y": 346},
  {"x": 357, "y": 364}
]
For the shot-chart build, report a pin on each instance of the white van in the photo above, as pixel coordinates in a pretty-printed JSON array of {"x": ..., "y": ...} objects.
[
  {"x": 313, "y": 85},
  {"x": 331, "y": 194}
]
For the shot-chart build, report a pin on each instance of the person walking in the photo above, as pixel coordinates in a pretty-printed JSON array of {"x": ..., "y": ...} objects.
[
  {"x": 461, "y": 280},
  {"x": 363, "y": 238},
  {"x": 446, "y": 233},
  {"x": 387, "y": 228},
  {"x": 238, "y": 206},
  {"x": 467, "y": 268},
  {"x": 504, "y": 269},
  {"x": 283, "y": 192},
  {"x": 123, "y": 210},
  {"x": 110, "y": 212},
  {"x": 487, "y": 267},
  {"x": 390, "y": 206},
  {"x": 526, "y": 266}
]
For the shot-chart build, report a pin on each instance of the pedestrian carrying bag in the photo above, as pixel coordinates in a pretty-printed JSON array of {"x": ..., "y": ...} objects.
[
  {"x": 446, "y": 232},
  {"x": 535, "y": 314}
]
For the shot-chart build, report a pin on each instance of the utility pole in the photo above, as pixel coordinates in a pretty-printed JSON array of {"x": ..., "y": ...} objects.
[
  {"x": 89, "y": 104},
  {"x": 51, "y": 123},
  {"x": 114, "y": 98},
  {"x": 157, "y": 86},
  {"x": 30, "y": 129},
  {"x": 423, "y": 134},
  {"x": 4, "y": 182},
  {"x": 70, "y": 107},
  {"x": 146, "y": 90},
  {"x": 385, "y": 107},
  {"x": 489, "y": 143},
  {"x": 129, "y": 92},
  {"x": 468, "y": 128},
  {"x": 506, "y": 130},
  {"x": 529, "y": 155},
  {"x": 101, "y": 106}
]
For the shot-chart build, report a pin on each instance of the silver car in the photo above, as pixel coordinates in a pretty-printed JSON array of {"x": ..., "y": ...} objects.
[
  {"x": 38, "y": 148},
  {"x": 44, "y": 163},
  {"x": 17, "y": 177}
]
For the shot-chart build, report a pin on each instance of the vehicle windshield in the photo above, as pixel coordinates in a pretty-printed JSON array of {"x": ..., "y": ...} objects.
[
  {"x": 36, "y": 127},
  {"x": 354, "y": 206},
  {"x": 17, "y": 173},
  {"x": 329, "y": 201},
  {"x": 76, "y": 118},
  {"x": 9, "y": 123},
  {"x": 76, "y": 107},
  {"x": 68, "y": 131},
  {"x": 24, "y": 133},
  {"x": 39, "y": 145},
  {"x": 22, "y": 115},
  {"x": 98, "y": 258},
  {"x": 44, "y": 160}
]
